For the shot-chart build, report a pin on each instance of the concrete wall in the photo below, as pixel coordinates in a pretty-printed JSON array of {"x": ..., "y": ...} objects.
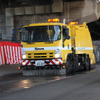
[{"x": 85, "y": 10}]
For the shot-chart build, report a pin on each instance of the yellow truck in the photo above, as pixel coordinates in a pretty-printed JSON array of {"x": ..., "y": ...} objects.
[{"x": 55, "y": 45}]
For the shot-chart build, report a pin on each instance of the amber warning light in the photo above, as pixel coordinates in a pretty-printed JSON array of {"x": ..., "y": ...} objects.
[
  {"x": 73, "y": 23},
  {"x": 53, "y": 20}
]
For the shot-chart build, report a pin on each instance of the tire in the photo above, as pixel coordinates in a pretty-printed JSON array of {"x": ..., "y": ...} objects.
[
  {"x": 67, "y": 68},
  {"x": 87, "y": 63},
  {"x": 69, "y": 65}
]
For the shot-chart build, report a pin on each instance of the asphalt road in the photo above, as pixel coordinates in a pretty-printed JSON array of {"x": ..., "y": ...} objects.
[{"x": 80, "y": 86}]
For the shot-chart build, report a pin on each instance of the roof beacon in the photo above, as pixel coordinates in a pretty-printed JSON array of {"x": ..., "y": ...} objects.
[{"x": 53, "y": 20}]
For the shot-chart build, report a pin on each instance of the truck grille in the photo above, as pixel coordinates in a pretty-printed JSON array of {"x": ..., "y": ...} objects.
[{"x": 40, "y": 55}]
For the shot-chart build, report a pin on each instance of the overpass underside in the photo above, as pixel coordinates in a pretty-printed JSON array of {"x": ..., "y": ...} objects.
[{"x": 15, "y": 16}]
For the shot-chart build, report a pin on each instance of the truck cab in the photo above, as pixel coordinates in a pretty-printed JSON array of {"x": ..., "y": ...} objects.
[{"x": 43, "y": 45}]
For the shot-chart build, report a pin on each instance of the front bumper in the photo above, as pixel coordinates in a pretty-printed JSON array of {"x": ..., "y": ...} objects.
[{"x": 46, "y": 62}]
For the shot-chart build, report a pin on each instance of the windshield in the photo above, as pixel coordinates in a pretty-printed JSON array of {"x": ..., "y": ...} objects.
[{"x": 41, "y": 33}]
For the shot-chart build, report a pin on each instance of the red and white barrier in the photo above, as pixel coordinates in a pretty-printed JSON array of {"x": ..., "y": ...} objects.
[
  {"x": 11, "y": 52},
  {"x": 2, "y": 59}
]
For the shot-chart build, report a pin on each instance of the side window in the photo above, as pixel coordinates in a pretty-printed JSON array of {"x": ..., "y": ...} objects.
[{"x": 65, "y": 31}]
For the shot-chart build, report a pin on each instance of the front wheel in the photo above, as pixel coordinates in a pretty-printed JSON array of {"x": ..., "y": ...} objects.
[{"x": 69, "y": 65}]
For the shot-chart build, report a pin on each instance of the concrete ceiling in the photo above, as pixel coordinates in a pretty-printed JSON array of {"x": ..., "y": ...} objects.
[{"x": 17, "y": 3}]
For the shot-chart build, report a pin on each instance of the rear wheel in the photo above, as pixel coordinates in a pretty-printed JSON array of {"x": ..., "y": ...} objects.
[
  {"x": 87, "y": 63},
  {"x": 68, "y": 67}
]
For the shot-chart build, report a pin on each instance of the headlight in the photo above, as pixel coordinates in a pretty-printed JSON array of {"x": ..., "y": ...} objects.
[
  {"x": 23, "y": 63},
  {"x": 23, "y": 56},
  {"x": 57, "y": 53}
]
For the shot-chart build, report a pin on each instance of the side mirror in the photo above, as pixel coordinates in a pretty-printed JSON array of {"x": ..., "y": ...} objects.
[
  {"x": 64, "y": 38},
  {"x": 68, "y": 37}
]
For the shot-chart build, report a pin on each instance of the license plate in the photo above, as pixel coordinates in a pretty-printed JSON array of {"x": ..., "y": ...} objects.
[{"x": 39, "y": 63}]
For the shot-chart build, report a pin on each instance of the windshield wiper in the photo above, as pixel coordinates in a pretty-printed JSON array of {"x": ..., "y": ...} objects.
[
  {"x": 49, "y": 41},
  {"x": 28, "y": 42}
]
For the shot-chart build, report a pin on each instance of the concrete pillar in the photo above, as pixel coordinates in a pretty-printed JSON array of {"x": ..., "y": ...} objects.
[
  {"x": 9, "y": 22},
  {"x": 2, "y": 24}
]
